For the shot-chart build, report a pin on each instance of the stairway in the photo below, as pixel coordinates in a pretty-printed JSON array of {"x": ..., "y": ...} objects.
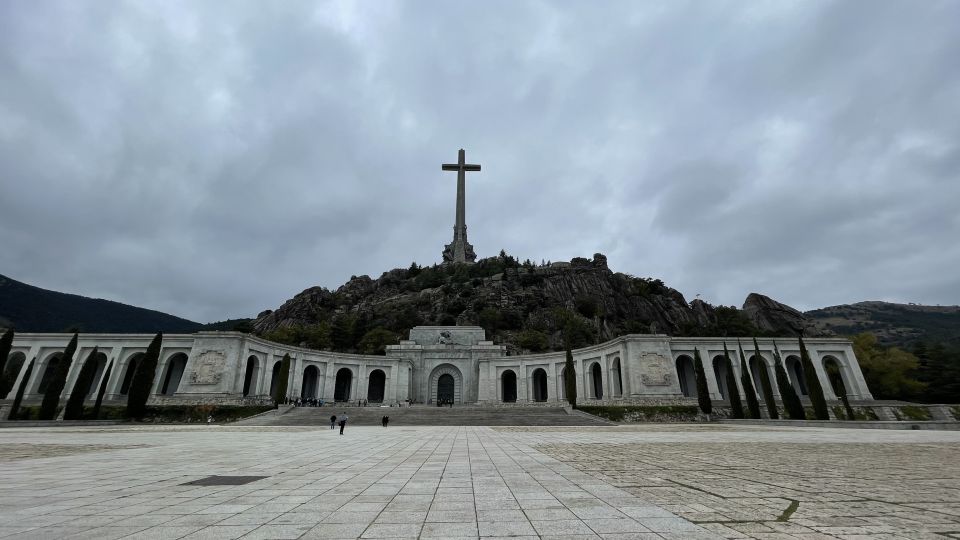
[{"x": 424, "y": 415}]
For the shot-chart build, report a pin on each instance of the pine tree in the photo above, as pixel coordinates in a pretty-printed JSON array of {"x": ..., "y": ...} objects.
[
  {"x": 280, "y": 390},
  {"x": 570, "y": 379},
  {"x": 703, "y": 393},
  {"x": 74, "y": 408},
  {"x": 51, "y": 398},
  {"x": 103, "y": 390},
  {"x": 20, "y": 391},
  {"x": 6, "y": 343},
  {"x": 814, "y": 389},
  {"x": 791, "y": 401},
  {"x": 736, "y": 407},
  {"x": 765, "y": 385},
  {"x": 752, "y": 404},
  {"x": 142, "y": 383}
]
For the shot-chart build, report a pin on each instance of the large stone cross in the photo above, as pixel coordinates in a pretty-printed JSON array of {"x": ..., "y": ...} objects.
[{"x": 460, "y": 250}]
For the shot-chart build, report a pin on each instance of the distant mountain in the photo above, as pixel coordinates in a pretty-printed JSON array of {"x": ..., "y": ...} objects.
[
  {"x": 32, "y": 309},
  {"x": 893, "y": 324}
]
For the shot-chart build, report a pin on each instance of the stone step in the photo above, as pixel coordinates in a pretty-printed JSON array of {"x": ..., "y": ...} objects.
[{"x": 428, "y": 416}]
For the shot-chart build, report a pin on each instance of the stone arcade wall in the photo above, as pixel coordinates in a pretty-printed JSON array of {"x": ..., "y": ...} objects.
[{"x": 236, "y": 368}]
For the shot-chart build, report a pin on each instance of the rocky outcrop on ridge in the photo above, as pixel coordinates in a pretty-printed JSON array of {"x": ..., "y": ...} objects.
[
  {"x": 773, "y": 317},
  {"x": 519, "y": 304}
]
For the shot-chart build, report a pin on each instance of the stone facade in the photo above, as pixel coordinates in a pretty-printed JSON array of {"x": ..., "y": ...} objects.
[{"x": 451, "y": 363}]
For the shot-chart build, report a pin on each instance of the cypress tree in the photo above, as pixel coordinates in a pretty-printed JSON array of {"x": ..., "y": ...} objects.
[
  {"x": 791, "y": 401},
  {"x": 20, "y": 390},
  {"x": 747, "y": 381},
  {"x": 841, "y": 391},
  {"x": 736, "y": 407},
  {"x": 280, "y": 391},
  {"x": 813, "y": 385},
  {"x": 703, "y": 393},
  {"x": 570, "y": 380},
  {"x": 765, "y": 385},
  {"x": 51, "y": 398},
  {"x": 74, "y": 408},
  {"x": 142, "y": 382},
  {"x": 6, "y": 343},
  {"x": 103, "y": 390}
]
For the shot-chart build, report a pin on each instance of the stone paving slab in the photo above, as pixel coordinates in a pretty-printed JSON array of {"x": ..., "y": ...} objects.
[
  {"x": 476, "y": 482},
  {"x": 410, "y": 482}
]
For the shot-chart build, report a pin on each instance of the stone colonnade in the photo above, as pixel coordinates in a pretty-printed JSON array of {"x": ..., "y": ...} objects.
[{"x": 459, "y": 366}]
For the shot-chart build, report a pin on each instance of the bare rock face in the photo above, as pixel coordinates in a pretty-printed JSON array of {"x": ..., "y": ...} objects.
[{"x": 772, "y": 316}]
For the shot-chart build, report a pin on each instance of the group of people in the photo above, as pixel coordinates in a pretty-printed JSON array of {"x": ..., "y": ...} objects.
[
  {"x": 342, "y": 421},
  {"x": 307, "y": 402}
]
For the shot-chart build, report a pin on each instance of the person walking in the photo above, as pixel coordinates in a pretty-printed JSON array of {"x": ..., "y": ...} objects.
[
  {"x": 343, "y": 422},
  {"x": 385, "y": 421},
  {"x": 333, "y": 420}
]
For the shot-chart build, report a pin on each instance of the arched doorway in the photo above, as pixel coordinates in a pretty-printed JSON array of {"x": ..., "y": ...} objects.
[
  {"x": 377, "y": 383},
  {"x": 687, "y": 376},
  {"x": 171, "y": 379},
  {"x": 10, "y": 373},
  {"x": 311, "y": 380},
  {"x": 834, "y": 371},
  {"x": 341, "y": 388},
  {"x": 795, "y": 372},
  {"x": 48, "y": 372},
  {"x": 596, "y": 380},
  {"x": 539, "y": 385},
  {"x": 274, "y": 379},
  {"x": 446, "y": 386},
  {"x": 508, "y": 386},
  {"x": 720, "y": 372},
  {"x": 434, "y": 385},
  {"x": 616, "y": 378},
  {"x": 251, "y": 375},
  {"x": 562, "y": 391},
  {"x": 131, "y": 368}
]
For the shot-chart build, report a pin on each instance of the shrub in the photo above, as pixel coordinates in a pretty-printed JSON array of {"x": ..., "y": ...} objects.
[
  {"x": 570, "y": 381},
  {"x": 533, "y": 340},
  {"x": 813, "y": 385},
  {"x": 913, "y": 412},
  {"x": 703, "y": 393},
  {"x": 791, "y": 401},
  {"x": 644, "y": 413},
  {"x": 736, "y": 407},
  {"x": 74, "y": 408},
  {"x": 51, "y": 398},
  {"x": 752, "y": 405},
  {"x": 6, "y": 343},
  {"x": 142, "y": 382},
  {"x": 20, "y": 390},
  {"x": 102, "y": 391},
  {"x": 765, "y": 385}
]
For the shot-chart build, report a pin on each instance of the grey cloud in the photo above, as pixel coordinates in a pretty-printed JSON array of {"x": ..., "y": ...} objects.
[{"x": 212, "y": 160}]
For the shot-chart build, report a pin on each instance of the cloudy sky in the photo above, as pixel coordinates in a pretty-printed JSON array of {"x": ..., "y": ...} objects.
[{"x": 213, "y": 159}]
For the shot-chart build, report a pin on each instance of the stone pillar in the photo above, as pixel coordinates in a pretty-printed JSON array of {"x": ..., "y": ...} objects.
[{"x": 713, "y": 385}]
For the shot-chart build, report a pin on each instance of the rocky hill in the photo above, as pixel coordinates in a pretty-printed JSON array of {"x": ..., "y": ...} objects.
[
  {"x": 893, "y": 324},
  {"x": 519, "y": 304}
]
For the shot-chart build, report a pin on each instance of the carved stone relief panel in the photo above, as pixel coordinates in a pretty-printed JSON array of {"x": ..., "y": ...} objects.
[
  {"x": 208, "y": 368},
  {"x": 655, "y": 370}
]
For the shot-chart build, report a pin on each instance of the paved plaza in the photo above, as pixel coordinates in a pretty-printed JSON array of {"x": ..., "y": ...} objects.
[{"x": 651, "y": 481}]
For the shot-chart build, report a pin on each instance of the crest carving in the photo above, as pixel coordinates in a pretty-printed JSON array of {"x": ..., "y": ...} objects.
[
  {"x": 655, "y": 370},
  {"x": 208, "y": 368}
]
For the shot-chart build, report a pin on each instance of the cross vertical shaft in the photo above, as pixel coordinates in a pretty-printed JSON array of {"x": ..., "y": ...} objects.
[{"x": 460, "y": 250}]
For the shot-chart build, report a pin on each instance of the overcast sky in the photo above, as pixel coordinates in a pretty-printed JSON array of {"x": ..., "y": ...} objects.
[{"x": 212, "y": 159}]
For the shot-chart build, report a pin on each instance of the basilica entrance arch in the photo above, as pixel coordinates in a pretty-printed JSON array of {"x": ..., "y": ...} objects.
[
  {"x": 342, "y": 385},
  {"x": 446, "y": 382},
  {"x": 376, "y": 386}
]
